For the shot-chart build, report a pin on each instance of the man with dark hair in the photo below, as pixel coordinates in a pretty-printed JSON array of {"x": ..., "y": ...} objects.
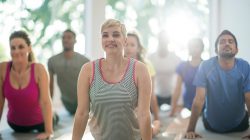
[
  {"x": 66, "y": 66},
  {"x": 223, "y": 84}
]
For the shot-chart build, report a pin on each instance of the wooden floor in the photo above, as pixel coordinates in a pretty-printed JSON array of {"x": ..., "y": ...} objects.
[{"x": 171, "y": 129}]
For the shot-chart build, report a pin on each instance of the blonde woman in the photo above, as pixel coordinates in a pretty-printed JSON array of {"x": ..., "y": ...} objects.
[{"x": 109, "y": 90}]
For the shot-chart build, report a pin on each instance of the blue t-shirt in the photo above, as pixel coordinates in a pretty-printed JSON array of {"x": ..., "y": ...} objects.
[
  {"x": 225, "y": 89},
  {"x": 187, "y": 72}
]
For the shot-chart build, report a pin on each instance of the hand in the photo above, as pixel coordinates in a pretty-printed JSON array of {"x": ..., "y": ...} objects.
[
  {"x": 156, "y": 127},
  {"x": 192, "y": 135},
  {"x": 172, "y": 113},
  {"x": 246, "y": 137},
  {"x": 44, "y": 136}
]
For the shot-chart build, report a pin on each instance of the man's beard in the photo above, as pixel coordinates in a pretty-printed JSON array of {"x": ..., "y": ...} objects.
[
  {"x": 67, "y": 49},
  {"x": 227, "y": 55}
]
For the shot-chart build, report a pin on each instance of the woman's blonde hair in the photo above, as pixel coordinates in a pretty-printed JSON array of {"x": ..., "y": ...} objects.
[{"x": 113, "y": 22}]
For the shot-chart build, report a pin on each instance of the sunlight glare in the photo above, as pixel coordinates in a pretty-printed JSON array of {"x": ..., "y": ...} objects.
[{"x": 181, "y": 27}]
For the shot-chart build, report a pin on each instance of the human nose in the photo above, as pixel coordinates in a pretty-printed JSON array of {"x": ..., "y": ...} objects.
[
  {"x": 14, "y": 50},
  {"x": 110, "y": 38},
  {"x": 227, "y": 43}
]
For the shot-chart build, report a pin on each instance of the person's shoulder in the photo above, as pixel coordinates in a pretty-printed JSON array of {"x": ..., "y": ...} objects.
[
  {"x": 87, "y": 68},
  {"x": 89, "y": 64},
  {"x": 209, "y": 64},
  {"x": 81, "y": 56},
  {"x": 38, "y": 66},
  {"x": 209, "y": 61},
  {"x": 140, "y": 66},
  {"x": 56, "y": 56},
  {"x": 242, "y": 64},
  {"x": 182, "y": 63},
  {"x": 3, "y": 66},
  {"x": 241, "y": 61}
]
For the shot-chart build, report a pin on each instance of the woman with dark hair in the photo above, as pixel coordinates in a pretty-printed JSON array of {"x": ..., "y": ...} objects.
[{"x": 25, "y": 85}]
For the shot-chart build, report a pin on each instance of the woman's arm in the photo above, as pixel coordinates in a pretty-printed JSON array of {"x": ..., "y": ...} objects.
[
  {"x": 154, "y": 102},
  {"x": 45, "y": 100},
  {"x": 176, "y": 95},
  {"x": 82, "y": 112},
  {"x": 2, "y": 99},
  {"x": 144, "y": 93}
]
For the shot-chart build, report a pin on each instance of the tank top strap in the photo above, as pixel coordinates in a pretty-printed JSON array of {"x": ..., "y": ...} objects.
[
  {"x": 8, "y": 68},
  {"x": 97, "y": 68},
  {"x": 32, "y": 73},
  {"x": 130, "y": 73}
]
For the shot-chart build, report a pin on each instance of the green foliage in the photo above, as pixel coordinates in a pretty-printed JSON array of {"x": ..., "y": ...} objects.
[
  {"x": 3, "y": 56},
  {"x": 44, "y": 23}
]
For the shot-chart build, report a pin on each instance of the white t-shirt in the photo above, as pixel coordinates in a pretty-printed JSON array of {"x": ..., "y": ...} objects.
[{"x": 165, "y": 77}]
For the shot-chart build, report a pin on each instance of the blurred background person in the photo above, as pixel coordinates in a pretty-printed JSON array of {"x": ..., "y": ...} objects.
[
  {"x": 186, "y": 71},
  {"x": 165, "y": 64},
  {"x": 66, "y": 66},
  {"x": 134, "y": 49}
]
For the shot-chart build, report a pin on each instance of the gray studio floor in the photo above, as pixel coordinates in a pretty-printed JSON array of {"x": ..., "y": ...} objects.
[{"x": 171, "y": 128}]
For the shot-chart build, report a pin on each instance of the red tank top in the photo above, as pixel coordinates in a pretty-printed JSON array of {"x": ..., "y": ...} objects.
[{"x": 24, "y": 107}]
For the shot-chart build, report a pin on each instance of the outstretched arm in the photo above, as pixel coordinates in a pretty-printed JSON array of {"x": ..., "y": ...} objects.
[
  {"x": 45, "y": 100},
  {"x": 195, "y": 113},
  {"x": 154, "y": 102},
  {"x": 144, "y": 92},
  {"x": 51, "y": 85},
  {"x": 82, "y": 112},
  {"x": 2, "y": 99},
  {"x": 51, "y": 78},
  {"x": 247, "y": 100},
  {"x": 176, "y": 95}
]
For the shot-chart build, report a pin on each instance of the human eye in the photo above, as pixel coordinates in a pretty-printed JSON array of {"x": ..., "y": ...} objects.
[
  {"x": 12, "y": 47},
  {"x": 231, "y": 41},
  {"x": 104, "y": 35},
  {"x": 116, "y": 35},
  {"x": 20, "y": 47},
  {"x": 223, "y": 41}
]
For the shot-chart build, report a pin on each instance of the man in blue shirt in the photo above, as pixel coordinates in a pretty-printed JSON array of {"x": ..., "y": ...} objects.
[{"x": 223, "y": 84}]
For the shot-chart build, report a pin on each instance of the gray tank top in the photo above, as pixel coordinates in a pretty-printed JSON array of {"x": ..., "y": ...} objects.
[{"x": 112, "y": 106}]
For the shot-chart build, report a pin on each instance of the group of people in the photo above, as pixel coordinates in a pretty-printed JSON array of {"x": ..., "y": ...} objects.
[{"x": 115, "y": 95}]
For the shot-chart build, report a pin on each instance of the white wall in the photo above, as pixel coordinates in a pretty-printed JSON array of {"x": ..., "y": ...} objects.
[
  {"x": 233, "y": 15},
  {"x": 95, "y": 16}
]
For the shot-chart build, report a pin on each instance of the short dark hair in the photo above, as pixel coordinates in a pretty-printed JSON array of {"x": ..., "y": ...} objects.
[
  {"x": 225, "y": 32},
  {"x": 70, "y": 31}
]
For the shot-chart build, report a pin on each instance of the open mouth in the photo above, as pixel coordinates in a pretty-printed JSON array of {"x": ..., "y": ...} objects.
[{"x": 111, "y": 46}]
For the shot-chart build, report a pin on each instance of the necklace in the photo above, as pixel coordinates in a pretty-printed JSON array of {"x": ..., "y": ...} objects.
[{"x": 20, "y": 78}]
